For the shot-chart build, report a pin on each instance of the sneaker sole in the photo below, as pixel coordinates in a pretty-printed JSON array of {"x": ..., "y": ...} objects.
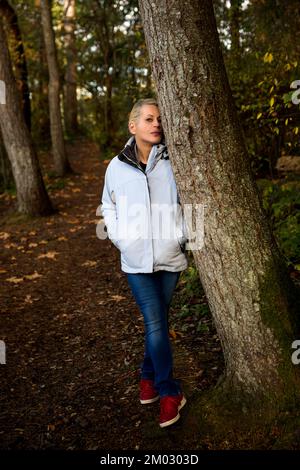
[
  {"x": 172, "y": 421},
  {"x": 150, "y": 400}
]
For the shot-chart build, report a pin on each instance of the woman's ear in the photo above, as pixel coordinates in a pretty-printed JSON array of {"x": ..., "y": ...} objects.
[{"x": 131, "y": 127}]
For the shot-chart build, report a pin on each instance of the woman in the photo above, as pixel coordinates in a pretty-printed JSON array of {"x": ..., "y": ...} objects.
[{"x": 139, "y": 188}]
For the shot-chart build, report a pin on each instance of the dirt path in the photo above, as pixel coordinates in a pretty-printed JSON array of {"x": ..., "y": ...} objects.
[{"x": 73, "y": 334}]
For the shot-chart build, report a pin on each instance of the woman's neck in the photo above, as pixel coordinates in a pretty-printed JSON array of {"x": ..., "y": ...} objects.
[{"x": 143, "y": 151}]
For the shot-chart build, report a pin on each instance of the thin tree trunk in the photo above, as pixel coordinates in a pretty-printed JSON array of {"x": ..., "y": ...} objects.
[
  {"x": 240, "y": 266},
  {"x": 31, "y": 193},
  {"x": 7, "y": 11},
  {"x": 70, "y": 102},
  {"x": 58, "y": 146},
  {"x": 234, "y": 15}
]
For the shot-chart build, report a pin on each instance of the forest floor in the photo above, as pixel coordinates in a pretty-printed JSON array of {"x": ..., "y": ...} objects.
[{"x": 74, "y": 335}]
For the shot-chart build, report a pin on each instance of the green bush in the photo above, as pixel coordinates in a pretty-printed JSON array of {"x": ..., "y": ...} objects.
[{"x": 281, "y": 201}]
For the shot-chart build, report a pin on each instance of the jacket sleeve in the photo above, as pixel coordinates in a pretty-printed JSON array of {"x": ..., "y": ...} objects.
[{"x": 108, "y": 209}]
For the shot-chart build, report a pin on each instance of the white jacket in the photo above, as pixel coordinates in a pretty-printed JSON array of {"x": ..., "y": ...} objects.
[{"x": 142, "y": 212}]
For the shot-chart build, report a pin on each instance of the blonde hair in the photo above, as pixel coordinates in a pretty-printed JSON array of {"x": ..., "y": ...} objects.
[{"x": 136, "y": 110}]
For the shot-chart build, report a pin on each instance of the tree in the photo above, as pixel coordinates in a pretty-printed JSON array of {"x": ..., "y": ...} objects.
[
  {"x": 241, "y": 268},
  {"x": 31, "y": 193},
  {"x": 20, "y": 60},
  {"x": 70, "y": 101},
  {"x": 57, "y": 137}
]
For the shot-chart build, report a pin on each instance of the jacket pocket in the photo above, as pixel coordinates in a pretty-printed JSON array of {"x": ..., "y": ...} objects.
[{"x": 132, "y": 252}]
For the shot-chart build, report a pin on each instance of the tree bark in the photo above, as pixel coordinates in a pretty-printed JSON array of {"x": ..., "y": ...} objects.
[
  {"x": 31, "y": 193},
  {"x": 240, "y": 266},
  {"x": 58, "y": 147},
  {"x": 70, "y": 102},
  {"x": 20, "y": 63},
  {"x": 6, "y": 177}
]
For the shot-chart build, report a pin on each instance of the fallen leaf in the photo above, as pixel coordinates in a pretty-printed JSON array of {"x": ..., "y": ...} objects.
[
  {"x": 4, "y": 235},
  {"x": 117, "y": 297},
  {"x": 15, "y": 280},
  {"x": 33, "y": 276},
  {"x": 49, "y": 254},
  {"x": 10, "y": 245},
  {"x": 28, "y": 299},
  {"x": 89, "y": 263}
]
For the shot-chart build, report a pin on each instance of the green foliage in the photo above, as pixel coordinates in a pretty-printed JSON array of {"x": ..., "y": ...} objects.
[
  {"x": 192, "y": 310},
  {"x": 260, "y": 73},
  {"x": 281, "y": 201}
]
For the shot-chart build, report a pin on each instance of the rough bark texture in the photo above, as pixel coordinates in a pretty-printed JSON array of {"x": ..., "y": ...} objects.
[
  {"x": 58, "y": 146},
  {"x": 20, "y": 61},
  {"x": 240, "y": 265},
  {"x": 31, "y": 194},
  {"x": 70, "y": 102}
]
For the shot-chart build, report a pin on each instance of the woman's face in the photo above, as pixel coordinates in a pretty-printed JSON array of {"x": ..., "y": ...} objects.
[{"x": 147, "y": 129}]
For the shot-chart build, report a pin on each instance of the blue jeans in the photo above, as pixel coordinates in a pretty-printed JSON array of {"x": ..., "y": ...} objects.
[{"x": 153, "y": 294}]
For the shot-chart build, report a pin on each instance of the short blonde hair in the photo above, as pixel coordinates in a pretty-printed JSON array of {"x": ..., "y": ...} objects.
[{"x": 136, "y": 110}]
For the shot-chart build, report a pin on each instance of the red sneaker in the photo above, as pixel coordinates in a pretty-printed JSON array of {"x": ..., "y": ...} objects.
[
  {"x": 169, "y": 409},
  {"x": 148, "y": 394}
]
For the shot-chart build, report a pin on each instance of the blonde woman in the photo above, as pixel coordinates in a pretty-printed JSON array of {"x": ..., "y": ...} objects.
[{"x": 144, "y": 220}]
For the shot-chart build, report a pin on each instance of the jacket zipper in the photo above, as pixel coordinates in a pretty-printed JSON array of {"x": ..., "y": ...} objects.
[{"x": 140, "y": 168}]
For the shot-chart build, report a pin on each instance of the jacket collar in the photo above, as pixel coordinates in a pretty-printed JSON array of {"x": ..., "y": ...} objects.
[{"x": 128, "y": 153}]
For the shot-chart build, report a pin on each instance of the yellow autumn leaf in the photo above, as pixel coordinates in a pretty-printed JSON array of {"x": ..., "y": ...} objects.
[
  {"x": 35, "y": 275},
  {"x": 117, "y": 297},
  {"x": 10, "y": 245},
  {"x": 49, "y": 254},
  {"x": 259, "y": 115},
  {"x": 268, "y": 57},
  {"x": 173, "y": 334},
  {"x": 272, "y": 101},
  {"x": 15, "y": 280},
  {"x": 89, "y": 263},
  {"x": 4, "y": 235}
]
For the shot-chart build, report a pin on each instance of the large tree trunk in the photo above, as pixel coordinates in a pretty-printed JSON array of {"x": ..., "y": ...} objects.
[
  {"x": 240, "y": 266},
  {"x": 31, "y": 194},
  {"x": 20, "y": 60},
  {"x": 6, "y": 177},
  {"x": 70, "y": 101},
  {"x": 58, "y": 146}
]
